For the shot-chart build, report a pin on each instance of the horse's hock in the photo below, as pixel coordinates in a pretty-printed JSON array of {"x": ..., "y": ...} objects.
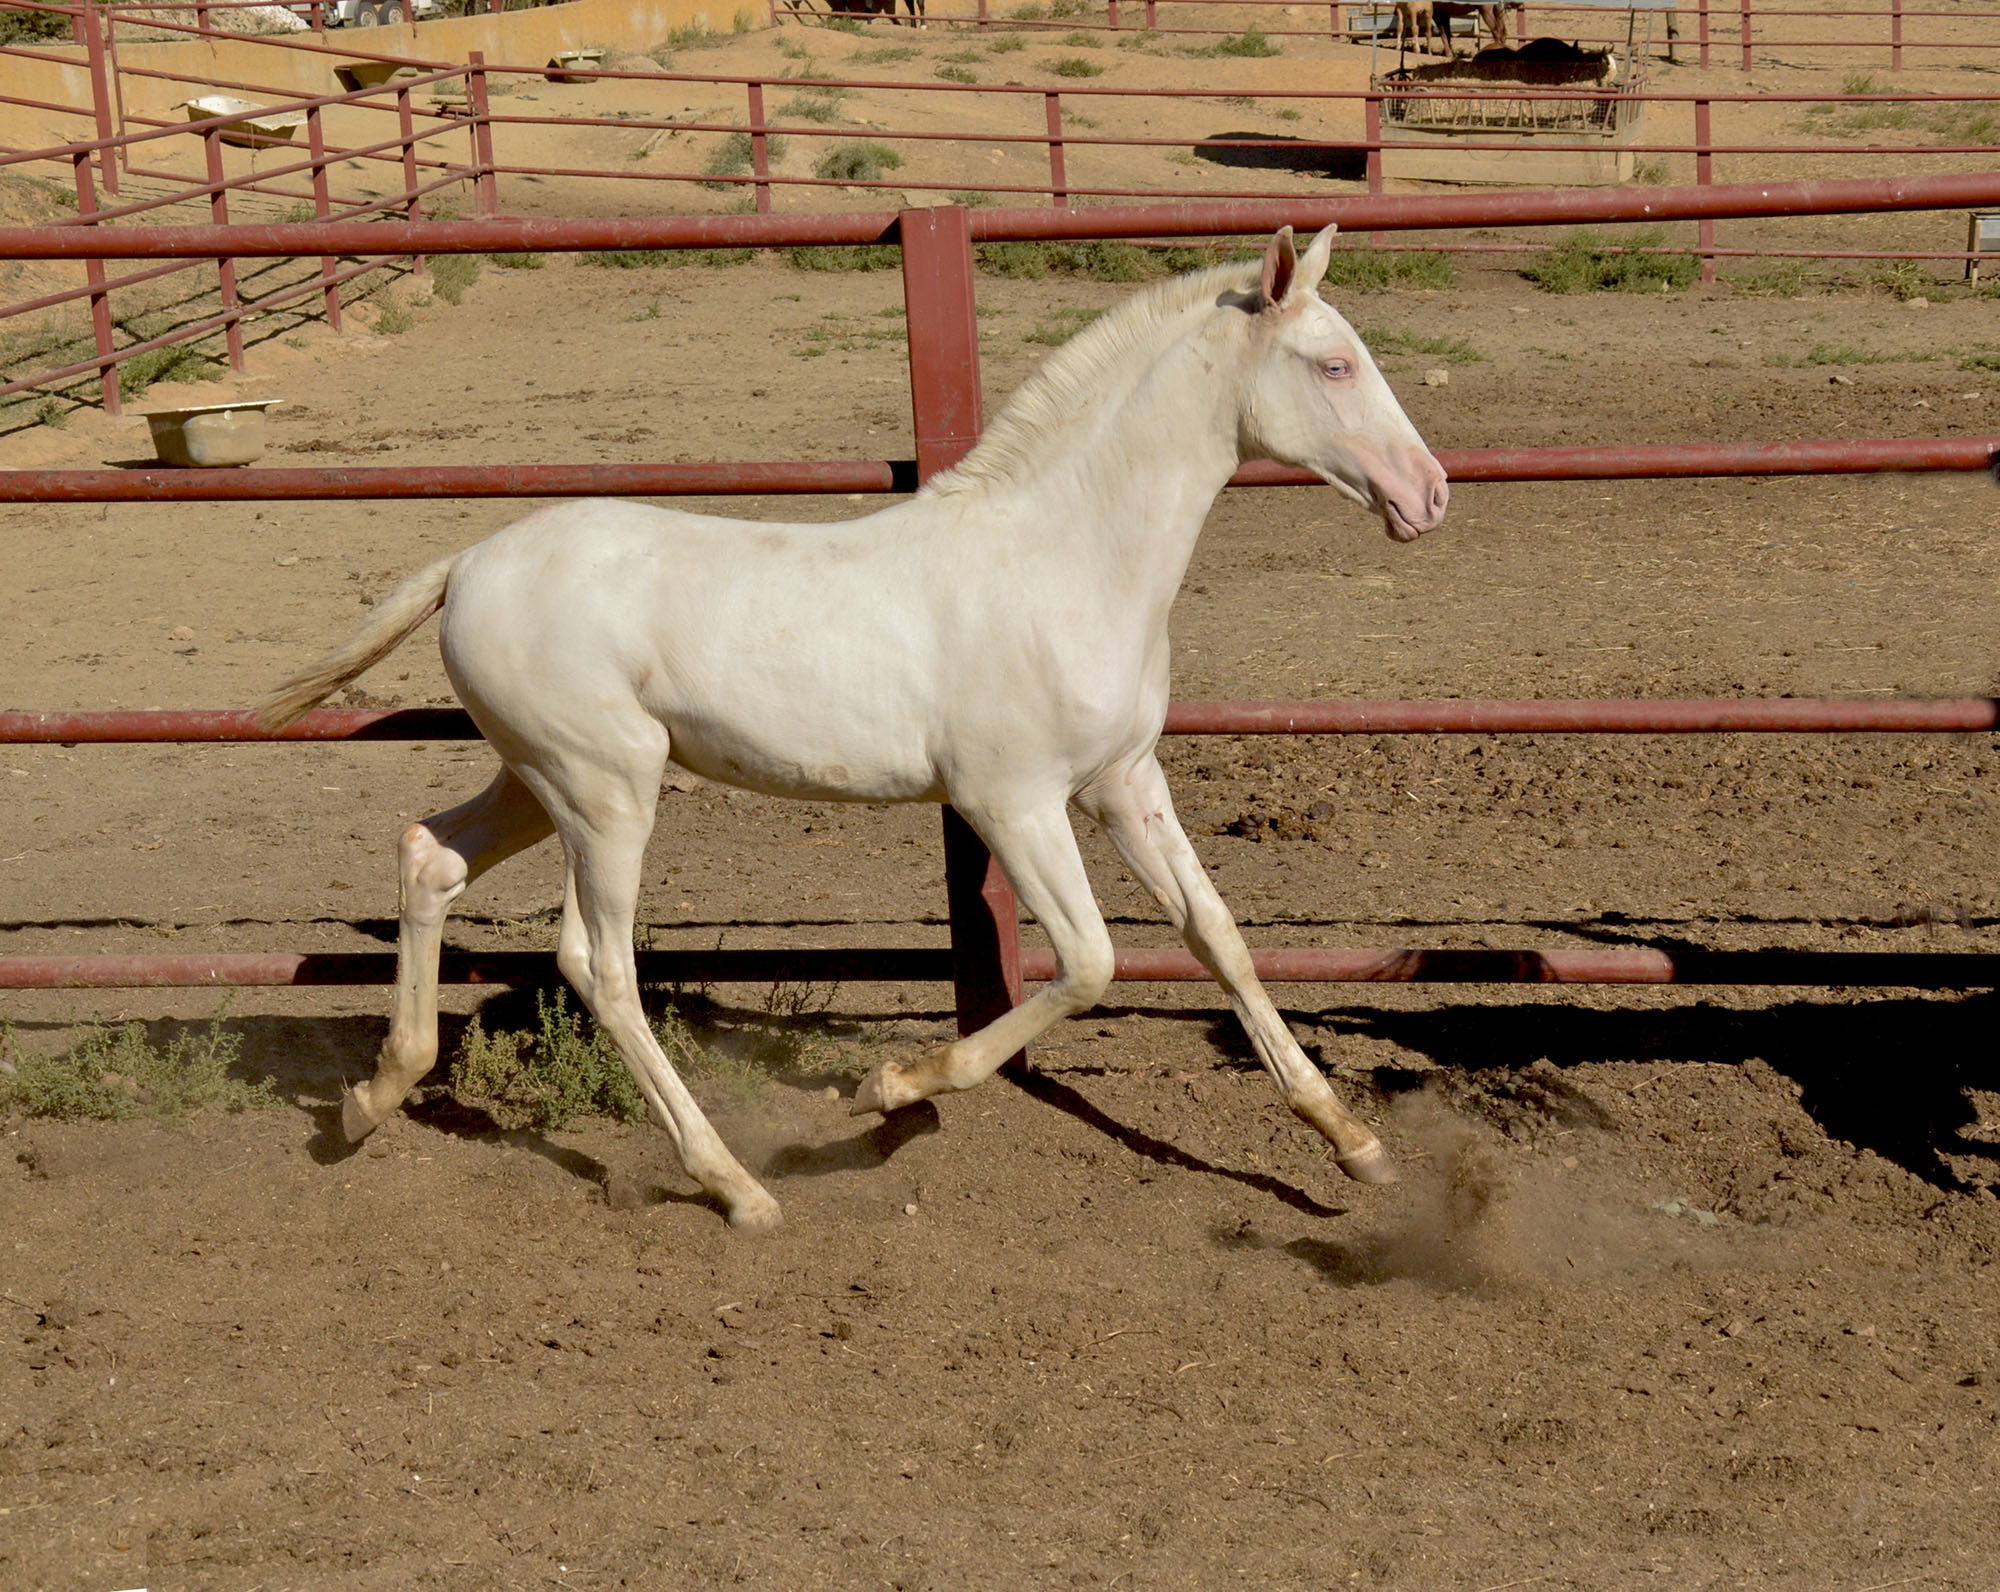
[{"x": 1543, "y": 139}]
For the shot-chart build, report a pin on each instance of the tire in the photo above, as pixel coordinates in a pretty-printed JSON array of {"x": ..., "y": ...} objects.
[
  {"x": 392, "y": 13},
  {"x": 367, "y": 17}
]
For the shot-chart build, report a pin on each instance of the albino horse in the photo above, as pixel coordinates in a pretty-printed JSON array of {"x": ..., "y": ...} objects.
[{"x": 998, "y": 642}]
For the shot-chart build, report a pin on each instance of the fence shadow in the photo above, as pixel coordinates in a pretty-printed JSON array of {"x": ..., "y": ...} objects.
[{"x": 1300, "y": 157}]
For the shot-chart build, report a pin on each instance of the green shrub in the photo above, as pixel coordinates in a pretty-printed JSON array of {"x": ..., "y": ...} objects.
[
  {"x": 652, "y": 259},
  {"x": 865, "y": 161},
  {"x": 32, "y": 27},
  {"x": 1102, "y": 261},
  {"x": 1250, "y": 42},
  {"x": 1380, "y": 271},
  {"x": 847, "y": 257},
  {"x": 547, "y": 1078},
  {"x": 452, "y": 274},
  {"x": 176, "y": 362},
  {"x": 733, "y": 158},
  {"x": 956, "y": 74},
  {"x": 1073, "y": 66},
  {"x": 1385, "y": 343},
  {"x": 110, "y": 1074},
  {"x": 885, "y": 56},
  {"x": 518, "y": 262},
  {"x": 392, "y": 319},
  {"x": 820, "y": 105},
  {"x": 1586, "y": 263}
]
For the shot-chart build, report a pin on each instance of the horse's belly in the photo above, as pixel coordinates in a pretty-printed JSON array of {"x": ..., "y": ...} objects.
[{"x": 812, "y": 767}]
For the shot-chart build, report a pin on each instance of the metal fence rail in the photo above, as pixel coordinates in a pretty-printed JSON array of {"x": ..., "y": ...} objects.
[{"x": 987, "y": 962}]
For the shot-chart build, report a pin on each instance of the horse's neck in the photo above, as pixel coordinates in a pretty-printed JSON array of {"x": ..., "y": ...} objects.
[{"x": 1136, "y": 484}]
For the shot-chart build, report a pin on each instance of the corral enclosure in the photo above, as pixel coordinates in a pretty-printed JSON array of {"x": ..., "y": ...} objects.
[{"x": 1688, "y": 1289}]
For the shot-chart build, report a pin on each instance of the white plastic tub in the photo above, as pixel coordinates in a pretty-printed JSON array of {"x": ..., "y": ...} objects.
[{"x": 205, "y": 436}]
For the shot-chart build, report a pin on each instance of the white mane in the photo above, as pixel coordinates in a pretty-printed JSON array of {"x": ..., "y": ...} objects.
[{"x": 1084, "y": 373}]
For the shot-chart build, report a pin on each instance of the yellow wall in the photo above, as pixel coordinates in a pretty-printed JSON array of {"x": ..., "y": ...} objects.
[{"x": 521, "y": 38}]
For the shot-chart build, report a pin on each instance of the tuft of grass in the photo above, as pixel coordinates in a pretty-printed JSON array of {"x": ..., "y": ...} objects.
[
  {"x": 178, "y": 362},
  {"x": 1786, "y": 279},
  {"x": 1249, "y": 43},
  {"x": 695, "y": 36},
  {"x": 1586, "y": 263},
  {"x": 518, "y": 262},
  {"x": 50, "y": 412},
  {"x": 847, "y": 257},
  {"x": 1984, "y": 356},
  {"x": 971, "y": 198},
  {"x": 1073, "y": 66},
  {"x": 1006, "y": 44},
  {"x": 1056, "y": 329},
  {"x": 548, "y": 1077},
  {"x": 1653, "y": 173},
  {"x": 452, "y": 274},
  {"x": 650, "y": 259},
  {"x": 843, "y": 25},
  {"x": 1370, "y": 271},
  {"x": 863, "y": 161},
  {"x": 956, "y": 74},
  {"x": 1386, "y": 343},
  {"x": 392, "y": 319},
  {"x": 733, "y": 157},
  {"x": 964, "y": 57},
  {"x": 887, "y": 55},
  {"x": 1904, "y": 280},
  {"x": 1082, "y": 41},
  {"x": 112, "y": 1074},
  {"x": 1102, "y": 261},
  {"x": 820, "y": 105}
]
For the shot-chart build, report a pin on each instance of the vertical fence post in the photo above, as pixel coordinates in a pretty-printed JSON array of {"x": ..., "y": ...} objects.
[
  {"x": 1746, "y": 35},
  {"x": 322, "y": 207},
  {"x": 1704, "y": 174},
  {"x": 201, "y": 18},
  {"x": 1371, "y": 130},
  {"x": 760, "y": 151},
  {"x": 944, "y": 399},
  {"x": 1152, "y": 16},
  {"x": 100, "y": 93},
  {"x": 225, "y": 266},
  {"x": 319, "y": 17},
  {"x": 93, "y": 273},
  {"x": 1895, "y": 35},
  {"x": 486, "y": 179},
  {"x": 1058, "y": 172},
  {"x": 1702, "y": 18},
  {"x": 1333, "y": 21},
  {"x": 413, "y": 209},
  {"x": 983, "y": 19}
]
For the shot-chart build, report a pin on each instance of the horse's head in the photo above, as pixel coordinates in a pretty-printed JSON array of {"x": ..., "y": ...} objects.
[{"x": 1315, "y": 399}]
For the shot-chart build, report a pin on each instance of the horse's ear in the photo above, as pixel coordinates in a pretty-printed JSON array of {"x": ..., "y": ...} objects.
[
  {"x": 1281, "y": 262},
  {"x": 1312, "y": 269},
  {"x": 1287, "y": 276}
]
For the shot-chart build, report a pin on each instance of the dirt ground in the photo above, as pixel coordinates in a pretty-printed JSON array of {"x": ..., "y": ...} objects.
[{"x": 1682, "y": 1289}]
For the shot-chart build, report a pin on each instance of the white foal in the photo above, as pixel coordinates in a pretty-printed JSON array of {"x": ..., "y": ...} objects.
[{"x": 998, "y": 641}]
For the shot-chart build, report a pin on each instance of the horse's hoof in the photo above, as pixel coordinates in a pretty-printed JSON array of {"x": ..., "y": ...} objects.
[
  {"x": 355, "y": 1121},
  {"x": 883, "y": 1090},
  {"x": 1370, "y": 1164},
  {"x": 759, "y": 1215}
]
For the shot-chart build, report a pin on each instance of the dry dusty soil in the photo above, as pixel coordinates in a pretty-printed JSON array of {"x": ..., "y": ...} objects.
[{"x": 1680, "y": 1288}]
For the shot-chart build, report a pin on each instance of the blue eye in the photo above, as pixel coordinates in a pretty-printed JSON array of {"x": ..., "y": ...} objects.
[{"x": 1336, "y": 369}]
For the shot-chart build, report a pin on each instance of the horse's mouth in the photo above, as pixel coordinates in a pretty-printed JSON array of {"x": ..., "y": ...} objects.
[{"x": 1399, "y": 529}]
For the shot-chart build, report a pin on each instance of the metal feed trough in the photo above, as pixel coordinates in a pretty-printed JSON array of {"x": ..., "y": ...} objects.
[{"x": 1454, "y": 121}]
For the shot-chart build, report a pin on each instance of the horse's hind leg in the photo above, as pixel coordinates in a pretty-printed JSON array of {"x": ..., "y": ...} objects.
[
  {"x": 439, "y": 858},
  {"x": 605, "y": 817},
  {"x": 1137, "y": 812}
]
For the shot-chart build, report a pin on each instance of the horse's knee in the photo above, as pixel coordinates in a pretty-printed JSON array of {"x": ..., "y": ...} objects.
[
  {"x": 1086, "y": 972},
  {"x": 432, "y": 873}
]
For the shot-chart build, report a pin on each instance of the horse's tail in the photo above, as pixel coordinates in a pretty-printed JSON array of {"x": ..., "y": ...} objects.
[{"x": 392, "y": 623}]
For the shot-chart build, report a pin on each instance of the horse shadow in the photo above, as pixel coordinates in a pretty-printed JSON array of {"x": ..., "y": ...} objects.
[{"x": 1892, "y": 1076}]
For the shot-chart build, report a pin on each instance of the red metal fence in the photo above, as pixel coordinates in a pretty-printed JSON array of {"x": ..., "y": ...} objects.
[
  {"x": 448, "y": 142},
  {"x": 987, "y": 962}
]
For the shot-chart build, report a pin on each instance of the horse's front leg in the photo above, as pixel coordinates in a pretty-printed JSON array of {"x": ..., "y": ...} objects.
[
  {"x": 1137, "y": 812},
  {"x": 1037, "y": 851},
  {"x": 437, "y": 859}
]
